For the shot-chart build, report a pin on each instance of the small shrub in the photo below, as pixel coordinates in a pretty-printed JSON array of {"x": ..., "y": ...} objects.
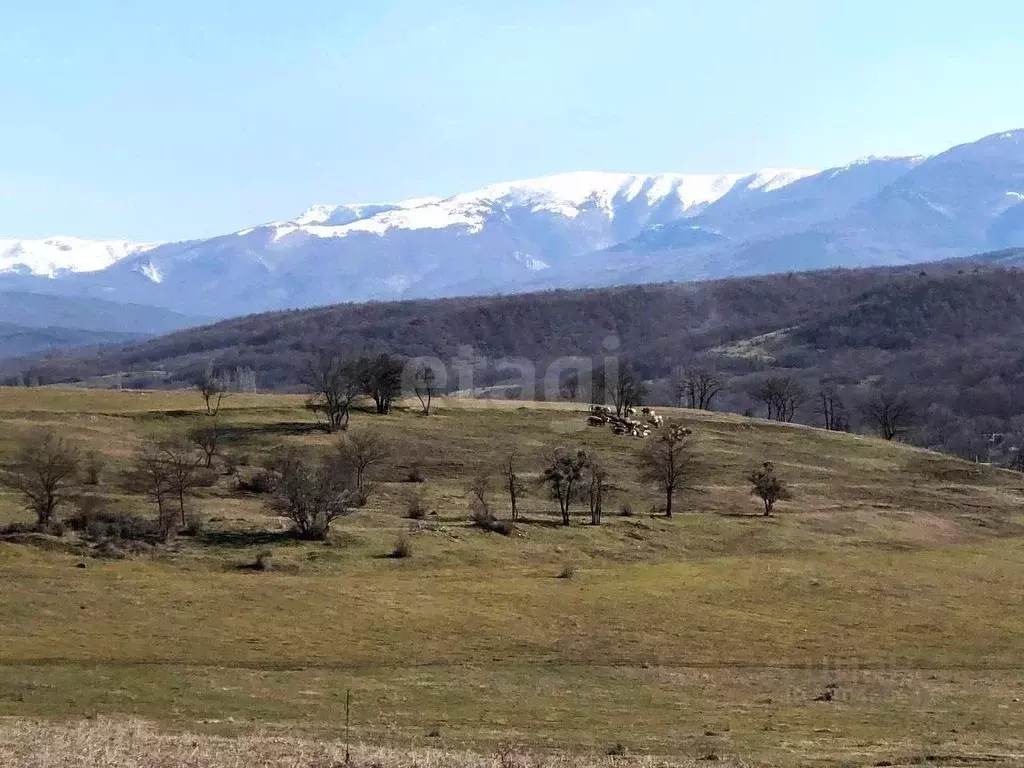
[
  {"x": 482, "y": 518},
  {"x": 485, "y": 521},
  {"x": 193, "y": 526},
  {"x": 232, "y": 461},
  {"x": 567, "y": 572},
  {"x": 109, "y": 550},
  {"x": 97, "y": 523},
  {"x": 403, "y": 548},
  {"x": 264, "y": 561},
  {"x": 93, "y": 468},
  {"x": 415, "y": 474},
  {"x": 416, "y": 508},
  {"x": 626, "y": 510},
  {"x": 260, "y": 483},
  {"x": 618, "y": 749},
  {"x": 504, "y": 527},
  {"x": 205, "y": 478}
]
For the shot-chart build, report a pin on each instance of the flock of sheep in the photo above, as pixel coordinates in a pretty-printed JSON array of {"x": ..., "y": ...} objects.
[{"x": 601, "y": 415}]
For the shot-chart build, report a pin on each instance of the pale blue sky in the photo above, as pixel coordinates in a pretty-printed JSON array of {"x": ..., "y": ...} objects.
[{"x": 168, "y": 120}]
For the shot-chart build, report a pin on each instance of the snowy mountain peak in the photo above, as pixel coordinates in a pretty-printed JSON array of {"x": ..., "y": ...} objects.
[
  {"x": 54, "y": 255},
  {"x": 577, "y": 189},
  {"x": 317, "y": 214},
  {"x": 771, "y": 179},
  {"x": 567, "y": 195}
]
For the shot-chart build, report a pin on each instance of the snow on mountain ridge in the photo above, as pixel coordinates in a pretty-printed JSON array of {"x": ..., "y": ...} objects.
[
  {"x": 771, "y": 179},
  {"x": 566, "y": 194},
  {"x": 50, "y": 256},
  {"x": 914, "y": 160}
]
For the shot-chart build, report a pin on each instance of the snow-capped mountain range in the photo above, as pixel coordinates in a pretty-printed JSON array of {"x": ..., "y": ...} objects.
[
  {"x": 56, "y": 255},
  {"x": 569, "y": 230}
]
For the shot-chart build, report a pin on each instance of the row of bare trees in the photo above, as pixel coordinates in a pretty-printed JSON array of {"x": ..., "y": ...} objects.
[
  {"x": 311, "y": 488},
  {"x": 577, "y": 476},
  {"x": 573, "y": 476},
  {"x": 886, "y": 411},
  {"x": 50, "y": 472},
  {"x": 335, "y": 383}
]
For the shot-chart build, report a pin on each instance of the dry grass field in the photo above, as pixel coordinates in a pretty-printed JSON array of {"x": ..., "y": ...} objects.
[{"x": 891, "y": 588}]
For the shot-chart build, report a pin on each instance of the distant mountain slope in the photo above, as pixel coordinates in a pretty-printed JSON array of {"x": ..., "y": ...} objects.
[
  {"x": 36, "y": 310},
  {"x": 585, "y": 229},
  {"x": 22, "y": 341},
  {"x": 658, "y": 326}
]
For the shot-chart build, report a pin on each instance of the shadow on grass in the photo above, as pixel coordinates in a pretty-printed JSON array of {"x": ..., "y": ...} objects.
[
  {"x": 544, "y": 522},
  {"x": 243, "y": 539},
  {"x": 235, "y": 435}
]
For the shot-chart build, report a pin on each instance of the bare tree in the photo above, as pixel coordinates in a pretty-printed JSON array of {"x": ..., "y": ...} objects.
[
  {"x": 625, "y": 388},
  {"x": 781, "y": 396},
  {"x": 151, "y": 476},
  {"x": 207, "y": 438},
  {"x": 570, "y": 386},
  {"x": 669, "y": 462},
  {"x": 513, "y": 484},
  {"x": 425, "y": 386},
  {"x": 564, "y": 476},
  {"x": 213, "y": 389},
  {"x": 93, "y": 467},
  {"x": 479, "y": 507},
  {"x": 382, "y": 380},
  {"x": 310, "y": 492},
  {"x": 598, "y": 486},
  {"x": 335, "y": 384},
  {"x": 768, "y": 486},
  {"x": 182, "y": 463},
  {"x": 44, "y": 471},
  {"x": 889, "y": 413},
  {"x": 697, "y": 387},
  {"x": 359, "y": 452},
  {"x": 831, "y": 408}
]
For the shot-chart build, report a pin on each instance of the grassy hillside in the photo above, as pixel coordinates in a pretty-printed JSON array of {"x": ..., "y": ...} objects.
[
  {"x": 943, "y": 336},
  {"x": 892, "y": 579}
]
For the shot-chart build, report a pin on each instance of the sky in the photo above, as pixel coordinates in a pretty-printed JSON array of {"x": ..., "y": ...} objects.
[{"x": 164, "y": 121}]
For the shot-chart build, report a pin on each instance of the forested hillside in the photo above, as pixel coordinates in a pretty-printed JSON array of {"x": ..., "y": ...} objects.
[{"x": 942, "y": 340}]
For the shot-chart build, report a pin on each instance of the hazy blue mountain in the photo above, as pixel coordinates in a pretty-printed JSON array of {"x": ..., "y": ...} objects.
[
  {"x": 37, "y": 310},
  {"x": 22, "y": 341}
]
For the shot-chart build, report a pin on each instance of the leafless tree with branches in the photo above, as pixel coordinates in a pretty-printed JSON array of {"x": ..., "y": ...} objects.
[
  {"x": 335, "y": 384},
  {"x": 669, "y": 462},
  {"x": 890, "y": 413},
  {"x": 697, "y": 387},
  {"x": 44, "y": 471}
]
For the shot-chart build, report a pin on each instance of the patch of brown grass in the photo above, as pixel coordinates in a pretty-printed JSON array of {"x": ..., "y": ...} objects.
[{"x": 137, "y": 744}]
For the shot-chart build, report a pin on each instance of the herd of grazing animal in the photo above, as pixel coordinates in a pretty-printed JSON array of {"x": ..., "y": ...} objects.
[{"x": 602, "y": 415}]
